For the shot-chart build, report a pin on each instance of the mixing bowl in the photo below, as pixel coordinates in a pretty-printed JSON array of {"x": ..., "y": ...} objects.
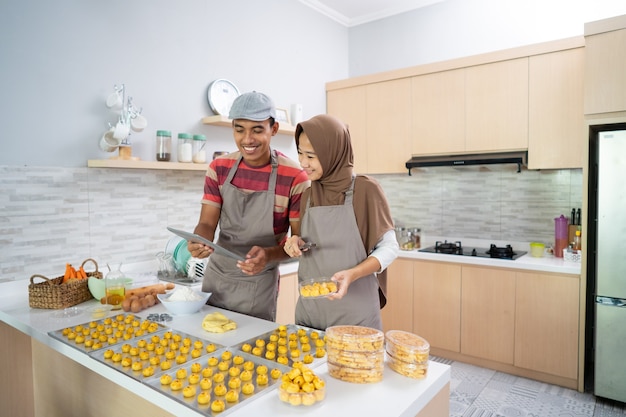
[{"x": 180, "y": 308}]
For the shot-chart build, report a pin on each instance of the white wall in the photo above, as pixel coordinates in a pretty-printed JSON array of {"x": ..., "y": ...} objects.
[
  {"x": 459, "y": 28},
  {"x": 61, "y": 59}
]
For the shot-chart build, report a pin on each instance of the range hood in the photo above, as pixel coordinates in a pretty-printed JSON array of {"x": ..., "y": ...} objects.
[{"x": 518, "y": 158}]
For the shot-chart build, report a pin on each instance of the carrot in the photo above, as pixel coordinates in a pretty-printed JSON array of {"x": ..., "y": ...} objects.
[
  {"x": 68, "y": 273},
  {"x": 81, "y": 273}
]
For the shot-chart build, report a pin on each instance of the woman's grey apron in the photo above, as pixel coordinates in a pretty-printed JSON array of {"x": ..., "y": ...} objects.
[
  {"x": 339, "y": 247},
  {"x": 246, "y": 220}
]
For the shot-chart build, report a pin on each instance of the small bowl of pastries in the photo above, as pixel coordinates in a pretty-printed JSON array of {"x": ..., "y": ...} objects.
[
  {"x": 317, "y": 288},
  {"x": 301, "y": 387},
  {"x": 407, "y": 353}
]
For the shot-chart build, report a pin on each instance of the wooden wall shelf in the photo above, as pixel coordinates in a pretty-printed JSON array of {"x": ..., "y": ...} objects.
[
  {"x": 130, "y": 164},
  {"x": 219, "y": 120}
]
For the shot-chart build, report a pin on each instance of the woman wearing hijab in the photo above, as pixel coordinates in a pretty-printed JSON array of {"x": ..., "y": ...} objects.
[{"x": 348, "y": 218}]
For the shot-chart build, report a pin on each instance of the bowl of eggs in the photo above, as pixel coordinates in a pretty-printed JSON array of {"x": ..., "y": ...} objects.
[{"x": 184, "y": 300}]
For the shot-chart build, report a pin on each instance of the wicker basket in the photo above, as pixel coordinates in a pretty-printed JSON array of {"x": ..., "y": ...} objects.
[{"x": 54, "y": 294}]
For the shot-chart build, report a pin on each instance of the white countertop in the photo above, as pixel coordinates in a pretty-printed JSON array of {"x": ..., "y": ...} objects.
[
  {"x": 548, "y": 263},
  {"x": 396, "y": 395}
]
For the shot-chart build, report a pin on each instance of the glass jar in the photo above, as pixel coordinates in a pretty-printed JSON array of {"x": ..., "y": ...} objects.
[
  {"x": 163, "y": 145},
  {"x": 417, "y": 236},
  {"x": 199, "y": 153},
  {"x": 114, "y": 282},
  {"x": 184, "y": 147}
]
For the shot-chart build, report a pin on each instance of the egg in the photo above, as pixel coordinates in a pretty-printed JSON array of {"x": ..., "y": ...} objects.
[{"x": 135, "y": 306}]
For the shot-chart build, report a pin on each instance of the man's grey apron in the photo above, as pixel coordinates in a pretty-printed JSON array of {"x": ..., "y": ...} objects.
[
  {"x": 339, "y": 247},
  {"x": 246, "y": 220}
]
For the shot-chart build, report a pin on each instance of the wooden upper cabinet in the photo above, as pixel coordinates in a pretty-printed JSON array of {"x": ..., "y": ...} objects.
[
  {"x": 496, "y": 112},
  {"x": 348, "y": 104},
  {"x": 556, "y": 131},
  {"x": 605, "y": 71},
  {"x": 388, "y": 126},
  {"x": 438, "y": 113}
]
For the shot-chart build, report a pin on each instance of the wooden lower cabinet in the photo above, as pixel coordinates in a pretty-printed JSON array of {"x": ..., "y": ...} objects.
[
  {"x": 398, "y": 312},
  {"x": 437, "y": 304},
  {"x": 523, "y": 323},
  {"x": 488, "y": 314},
  {"x": 287, "y": 298},
  {"x": 546, "y": 323}
]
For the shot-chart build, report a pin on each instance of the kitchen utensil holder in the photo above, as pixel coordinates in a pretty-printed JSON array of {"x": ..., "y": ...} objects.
[{"x": 54, "y": 294}]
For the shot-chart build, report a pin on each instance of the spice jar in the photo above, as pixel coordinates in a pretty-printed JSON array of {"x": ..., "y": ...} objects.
[
  {"x": 184, "y": 147},
  {"x": 199, "y": 154},
  {"x": 163, "y": 145}
]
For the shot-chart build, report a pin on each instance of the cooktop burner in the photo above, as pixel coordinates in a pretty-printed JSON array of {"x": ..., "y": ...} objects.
[{"x": 456, "y": 248}]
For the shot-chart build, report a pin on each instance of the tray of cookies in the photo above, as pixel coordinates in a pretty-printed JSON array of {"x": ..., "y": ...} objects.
[
  {"x": 107, "y": 332},
  {"x": 156, "y": 353},
  {"x": 220, "y": 382},
  {"x": 288, "y": 344}
]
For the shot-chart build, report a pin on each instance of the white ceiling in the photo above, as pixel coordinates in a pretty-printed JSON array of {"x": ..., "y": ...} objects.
[{"x": 356, "y": 12}]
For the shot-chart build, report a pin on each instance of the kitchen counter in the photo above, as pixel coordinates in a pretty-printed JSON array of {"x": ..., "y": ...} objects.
[
  {"x": 548, "y": 263},
  {"x": 396, "y": 395},
  {"x": 526, "y": 262}
]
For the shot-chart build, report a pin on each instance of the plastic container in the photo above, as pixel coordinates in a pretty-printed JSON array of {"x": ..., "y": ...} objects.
[
  {"x": 537, "y": 249},
  {"x": 184, "y": 147},
  {"x": 355, "y": 375},
  {"x": 199, "y": 151},
  {"x": 406, "y": 346},
  {"x": 560, "y": 235},
  {"x": 317, "y": 288},
  {"x": 355, "y": 338},
  {"x": 412, "y": 370},
  {"x": 163, "y": 145}
]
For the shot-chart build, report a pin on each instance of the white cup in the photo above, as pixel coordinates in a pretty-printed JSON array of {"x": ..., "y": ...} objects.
[
  {"x": 114, "y": 101},
  {"x": 108, "y": 142},
  {"x": 121, "y": 131},
  {"x": 138, "y": 123}
]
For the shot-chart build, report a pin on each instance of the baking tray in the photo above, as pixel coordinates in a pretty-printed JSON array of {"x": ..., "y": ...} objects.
[
  {"x": 105, "y": 332},
  {"x": 192, "y": 402},
  {"x": 134, "y": 357},
  {"x": 290, "y": 329}
]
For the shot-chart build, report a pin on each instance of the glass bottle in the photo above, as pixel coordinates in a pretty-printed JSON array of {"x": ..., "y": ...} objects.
[
  {"x": 199, "y": 153},
  {"x": 184, "y": 147},
  {"x": 163, "y": 145},
  {"x": 577, "y": 241},
  {"x": 114, "y": 284}
]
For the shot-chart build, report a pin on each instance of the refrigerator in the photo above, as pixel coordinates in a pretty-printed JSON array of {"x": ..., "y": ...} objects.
[{"x": 607, "y": 260}]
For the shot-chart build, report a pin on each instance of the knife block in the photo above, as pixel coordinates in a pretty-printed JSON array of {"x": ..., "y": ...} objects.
[{"x": 571, "y": 232}]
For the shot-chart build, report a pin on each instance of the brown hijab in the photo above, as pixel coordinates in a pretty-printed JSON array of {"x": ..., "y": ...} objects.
[{"x": 331, "y": 141}]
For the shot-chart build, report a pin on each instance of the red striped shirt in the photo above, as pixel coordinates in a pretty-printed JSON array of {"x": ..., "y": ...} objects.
[{"x": 290, "y": 183}]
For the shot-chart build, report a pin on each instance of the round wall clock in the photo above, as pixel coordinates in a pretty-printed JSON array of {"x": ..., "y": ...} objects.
[{"x": 221, "y": 94}]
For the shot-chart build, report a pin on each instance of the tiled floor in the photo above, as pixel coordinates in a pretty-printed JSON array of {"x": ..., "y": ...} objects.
[{"x": 481, "y": 392}]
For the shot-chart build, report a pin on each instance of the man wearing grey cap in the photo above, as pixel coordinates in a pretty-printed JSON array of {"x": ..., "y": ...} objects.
[{"x": 254, "y": 194}]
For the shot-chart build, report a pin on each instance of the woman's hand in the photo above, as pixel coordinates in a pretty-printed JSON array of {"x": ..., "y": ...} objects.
[{"x": 343, "y": 280}]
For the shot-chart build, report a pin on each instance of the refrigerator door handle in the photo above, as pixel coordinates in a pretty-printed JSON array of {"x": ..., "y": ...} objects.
[{"x": 609, "y": 301}]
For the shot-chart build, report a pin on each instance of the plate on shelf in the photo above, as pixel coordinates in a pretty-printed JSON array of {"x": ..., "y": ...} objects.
[{"x": 221, "y": 94}]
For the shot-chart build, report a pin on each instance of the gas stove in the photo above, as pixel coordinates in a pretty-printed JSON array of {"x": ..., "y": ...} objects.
[{"x": 456, "y": 248}]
